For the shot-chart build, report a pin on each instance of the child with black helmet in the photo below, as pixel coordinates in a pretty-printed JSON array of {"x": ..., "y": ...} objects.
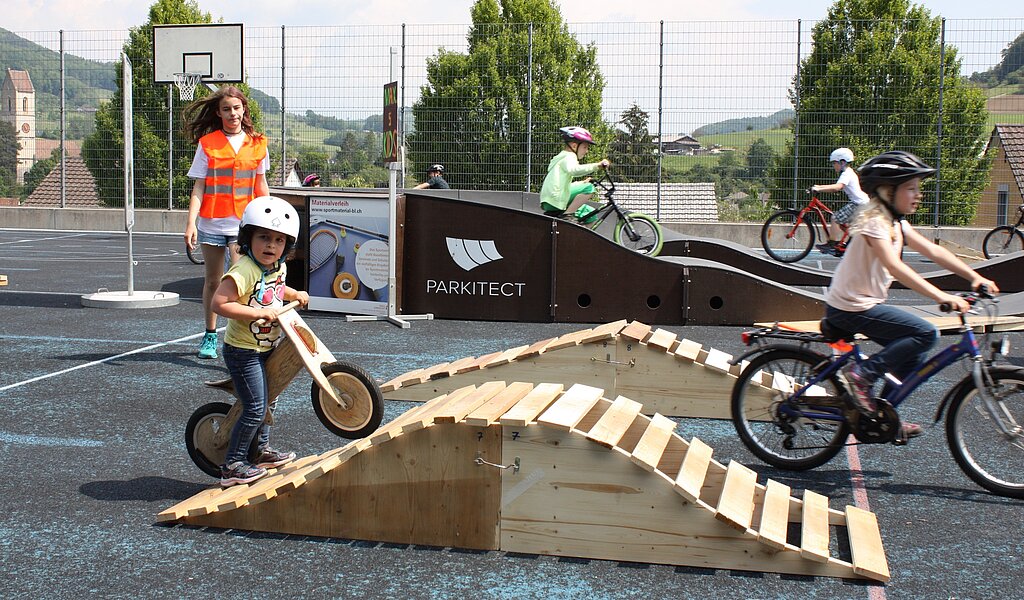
[
  {"x": 250, "y": 294},
  {"x": 855, "y": 299},
  {"x": 435, "y": 179}
]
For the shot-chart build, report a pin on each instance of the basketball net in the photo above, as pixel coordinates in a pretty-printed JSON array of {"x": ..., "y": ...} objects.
[{"x": 187, "y": 83}]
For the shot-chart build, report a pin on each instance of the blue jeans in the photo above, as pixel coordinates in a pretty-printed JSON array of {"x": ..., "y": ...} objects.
[
  {"x": 248, "y": 373},
  {"x": 905, "y": 339}
]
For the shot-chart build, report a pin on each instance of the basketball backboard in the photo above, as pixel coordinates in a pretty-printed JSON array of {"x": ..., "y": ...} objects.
[{"x": 214, "y": 50}]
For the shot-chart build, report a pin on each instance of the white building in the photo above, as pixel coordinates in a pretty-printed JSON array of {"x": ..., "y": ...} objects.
[{"x": 18, "y": 107}]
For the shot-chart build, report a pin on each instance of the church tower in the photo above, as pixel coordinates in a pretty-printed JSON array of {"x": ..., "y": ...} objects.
[{"x": 18, "y": 107}]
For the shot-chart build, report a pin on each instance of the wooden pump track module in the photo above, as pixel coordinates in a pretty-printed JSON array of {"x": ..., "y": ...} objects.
[{"x": 542, "y": 469}]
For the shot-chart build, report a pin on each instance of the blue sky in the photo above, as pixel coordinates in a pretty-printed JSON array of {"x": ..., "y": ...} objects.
[{"x": 52, "y": 15}]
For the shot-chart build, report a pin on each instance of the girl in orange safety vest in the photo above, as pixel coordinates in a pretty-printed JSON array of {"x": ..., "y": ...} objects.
[{"x": 229, "y": 169}]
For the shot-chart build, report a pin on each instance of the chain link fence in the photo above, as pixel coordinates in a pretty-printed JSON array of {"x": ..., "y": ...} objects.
[{"x": 751, "y": 107}]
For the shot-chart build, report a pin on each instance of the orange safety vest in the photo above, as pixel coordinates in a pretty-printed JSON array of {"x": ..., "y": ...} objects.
[{"x": 230, "y": 177}]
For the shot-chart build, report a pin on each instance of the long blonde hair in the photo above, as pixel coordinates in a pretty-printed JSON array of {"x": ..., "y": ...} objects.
[{"x": 876, "y": 208}]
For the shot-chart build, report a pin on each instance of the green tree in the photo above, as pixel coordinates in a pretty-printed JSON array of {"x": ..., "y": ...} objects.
[
  {"x": 760, "y": 158},
  {"x": 871, "y": 83},
  {"x": 1011, "y": 64},
  {"x": 472, "y": 113},
  {"x": 9, "y": 147},
  {"x": 39, "y": 171},
  {"x": 632, "y": 152},
  {"x": 104, "y": 148}
]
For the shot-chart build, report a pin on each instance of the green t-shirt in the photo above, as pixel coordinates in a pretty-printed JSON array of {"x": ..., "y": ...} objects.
[
  {"x": 562, "y": 168},
  {"x": 258, "y": 289}
]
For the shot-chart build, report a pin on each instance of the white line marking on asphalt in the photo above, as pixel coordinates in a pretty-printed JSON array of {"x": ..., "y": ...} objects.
[{"x": 101, "y": 361}]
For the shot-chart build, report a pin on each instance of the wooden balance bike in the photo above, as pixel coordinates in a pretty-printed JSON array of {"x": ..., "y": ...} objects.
[{"x": 345, "y": 398}]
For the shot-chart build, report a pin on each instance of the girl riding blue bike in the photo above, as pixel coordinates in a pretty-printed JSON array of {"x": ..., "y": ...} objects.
[{"x": 855, "y": 299}]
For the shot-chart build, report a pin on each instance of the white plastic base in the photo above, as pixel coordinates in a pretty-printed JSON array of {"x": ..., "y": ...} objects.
[{"x": 136, "y": 299}]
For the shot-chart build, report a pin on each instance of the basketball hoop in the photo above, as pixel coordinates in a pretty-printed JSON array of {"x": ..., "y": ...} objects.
[{"x": 187, "y": 83}]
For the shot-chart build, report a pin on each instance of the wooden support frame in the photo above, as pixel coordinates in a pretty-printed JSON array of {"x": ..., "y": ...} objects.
[{"x": 594, "y": 479}]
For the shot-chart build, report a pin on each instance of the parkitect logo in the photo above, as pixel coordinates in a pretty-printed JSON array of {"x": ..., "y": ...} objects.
[{"x": 470, "y": 254}]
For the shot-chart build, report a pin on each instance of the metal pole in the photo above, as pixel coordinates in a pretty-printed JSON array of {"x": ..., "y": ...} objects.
[
  {"x": 63, "y": 131},
  {"x": 796, "y": 117},
  {"x": 401, "y": 113},
  {"x": 529, "y": 108},
  {"x": 938, "y": 143},
  {"x": 284, "y": 140},
  {"x": 661, "y": 133},
  {"x": 170, "y": 147}
]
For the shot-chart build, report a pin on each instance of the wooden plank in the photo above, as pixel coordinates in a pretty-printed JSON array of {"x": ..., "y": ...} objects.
[
  {"x": 181, "y": 509},
  {"x": 814, "y": 534},
  {"x": 717, "y": 359},
  {"x": 535, "y": 349},
  {"x": 613, "y": 424},
  {"x": 567, "y": 340},
  {"x": 636, "y": 331},
  {"x": 505, "y": 357},
  {"x": 662, "y": 339},
  {"x": 688, "y": 350},
  {"x": 487, "y": 414},
  {"x": 570, "y": 409},
  {"x": 774, "y": 515},
  {"x": 736, "y": 504},
  {"x": 3, "y": 280},
  {"x": 866, "y": 544},
  {"x": 534, "y": 403},
  {"x": 694, "y": 470},
  {"x": 452, "y": 368},
  {"x": 481, "y": 362},
  {"x": 455, "y": 411},
  {"x": 647, "y": 453},
  {"x": 604, "y": 332},
  {"x": 426, "y": 417}
]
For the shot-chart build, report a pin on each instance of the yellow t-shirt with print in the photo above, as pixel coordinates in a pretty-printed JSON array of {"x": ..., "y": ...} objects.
[{"x": 259, "y": 289}]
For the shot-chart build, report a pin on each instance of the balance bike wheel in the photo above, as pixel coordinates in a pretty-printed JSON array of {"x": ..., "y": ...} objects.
[
  {"x": 201, "y": 433},
  {"x": 355, "y": 387}
]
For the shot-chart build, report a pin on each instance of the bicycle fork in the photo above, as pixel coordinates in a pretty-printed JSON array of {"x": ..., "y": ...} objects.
[{"x": 997, "y": 412}]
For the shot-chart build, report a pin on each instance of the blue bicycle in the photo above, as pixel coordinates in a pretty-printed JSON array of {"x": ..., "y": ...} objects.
[{"x": 792, "y": 408}]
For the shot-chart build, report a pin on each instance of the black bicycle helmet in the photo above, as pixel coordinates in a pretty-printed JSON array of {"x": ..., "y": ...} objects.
[
  {"x": 891, "y": 168},
  {"x": 438, "y": 168}
]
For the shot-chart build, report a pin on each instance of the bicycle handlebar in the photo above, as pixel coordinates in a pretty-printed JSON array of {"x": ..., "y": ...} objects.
[{"x": 972, "y": 298}]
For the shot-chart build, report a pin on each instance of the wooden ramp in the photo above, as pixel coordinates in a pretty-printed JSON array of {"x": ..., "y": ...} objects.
[
  {"x": 547, "y": 470},
  {"x": 671, "y": 376}
]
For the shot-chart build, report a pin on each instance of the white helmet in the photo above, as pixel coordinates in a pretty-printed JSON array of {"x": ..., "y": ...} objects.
[
  {"x": 841, "y": 154},
  {"x": 272, "y": 213}
]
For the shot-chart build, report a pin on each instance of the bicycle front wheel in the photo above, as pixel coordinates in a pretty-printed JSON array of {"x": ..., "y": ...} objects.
[
  {"x": 786, "y": 238},
  {"x": 994, "y": 460},
  {"x": 1002, "y": 240},
  {"x": 639, "y": 233},
  {"x": 786, "y": 432}
]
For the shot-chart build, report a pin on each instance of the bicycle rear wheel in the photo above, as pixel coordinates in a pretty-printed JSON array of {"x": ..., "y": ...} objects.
[
  {"x": 784, "y": 432},
  {"x": 1002, "y": 240},
  {"x": 646, "y": 231},
  {"x": 786, "y": 238},
  {"x": 994, "y": 461}
]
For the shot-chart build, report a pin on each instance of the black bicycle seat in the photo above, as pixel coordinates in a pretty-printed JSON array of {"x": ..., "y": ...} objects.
[{"x": 831, "y": 333}]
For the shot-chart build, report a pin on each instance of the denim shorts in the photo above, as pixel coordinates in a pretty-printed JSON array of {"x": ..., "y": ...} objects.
[{"x": 216, "y": 239}]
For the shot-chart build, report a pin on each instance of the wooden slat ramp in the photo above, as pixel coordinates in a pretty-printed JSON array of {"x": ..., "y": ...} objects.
[
  {"x": 555, "y": 470},
  {"x": 668, "y": 375}
]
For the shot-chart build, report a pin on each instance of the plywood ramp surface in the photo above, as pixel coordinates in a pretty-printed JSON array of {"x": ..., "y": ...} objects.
[
  {"x": 665, "y": 374},
  {"x": 553, "y": 470}
]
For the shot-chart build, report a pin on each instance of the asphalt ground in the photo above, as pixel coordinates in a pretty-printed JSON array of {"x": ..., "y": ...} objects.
[{"x": 94, "y": 404}]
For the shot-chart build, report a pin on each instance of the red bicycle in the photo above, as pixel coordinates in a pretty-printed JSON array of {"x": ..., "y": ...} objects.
[{"x": 788, "y": 235}]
